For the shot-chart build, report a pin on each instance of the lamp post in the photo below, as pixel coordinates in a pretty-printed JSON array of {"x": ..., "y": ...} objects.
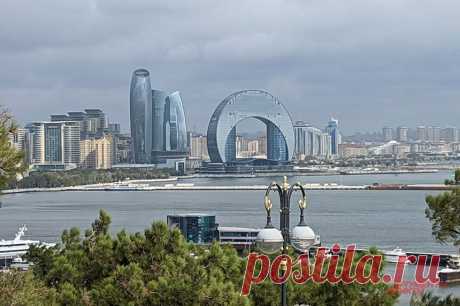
[{"x": 270, "y": 240}]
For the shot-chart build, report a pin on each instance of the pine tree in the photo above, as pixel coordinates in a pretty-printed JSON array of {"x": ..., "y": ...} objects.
[{"x": 11, "y": 160}]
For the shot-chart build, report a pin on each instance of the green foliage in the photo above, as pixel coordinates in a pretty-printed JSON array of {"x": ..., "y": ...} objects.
[
  {"x": 11, "y": 160},
  {"x": 19, "y": 288},
  {"x": 157, "y": 267},
  {"x": 444, "y": 213},
  {"x": 428, "y": 299},
  {"x": 455, "y": 181},
  {"x": 86, "y": 177}
]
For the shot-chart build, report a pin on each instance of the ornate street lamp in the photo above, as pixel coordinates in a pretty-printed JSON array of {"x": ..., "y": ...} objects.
[{"x": 270, "y": 240}]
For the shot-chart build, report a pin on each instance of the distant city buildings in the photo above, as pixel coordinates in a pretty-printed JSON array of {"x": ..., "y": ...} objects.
[
  {"x": 336, "y": 138},
  {"x": 53, "y": 145},
  {"x": 420, "y": 134},
  {"x": 349, "y": 150},
  {"x": 311, "y": 142},
  {"x": 387, "y": 134},
  {"x": 158, "y": 127},
  {"x": 402, "y": 134},
  {"x": 450, "y": 134},
  {"x": 424, "y": 140},
  {"x": 96, "y": 153},
  {"x": 68, "y": 141},
  {"x": 199, "y": 147},
  {"x": 91, "y": 121},
  {"x": 122, "y": 149}
]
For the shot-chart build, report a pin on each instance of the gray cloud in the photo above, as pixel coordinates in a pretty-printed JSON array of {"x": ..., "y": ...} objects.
[{"x": 369, "y": 63}]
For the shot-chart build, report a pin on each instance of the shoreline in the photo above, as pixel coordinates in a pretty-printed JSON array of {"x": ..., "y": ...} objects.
[
  {"x": 174, "y": 183},
  {"x": 179, "y": 187}
]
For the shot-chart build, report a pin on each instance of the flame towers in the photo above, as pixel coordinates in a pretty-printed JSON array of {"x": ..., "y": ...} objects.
[
  {"x": 140, "y": 100},
  {"x": 158, "y": 127}
]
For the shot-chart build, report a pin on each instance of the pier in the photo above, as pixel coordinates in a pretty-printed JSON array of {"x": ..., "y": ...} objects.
[{"x": 443, "y": 256}]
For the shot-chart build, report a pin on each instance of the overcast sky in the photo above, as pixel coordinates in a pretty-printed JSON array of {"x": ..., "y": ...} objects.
[{"x": 367, "y": 63}]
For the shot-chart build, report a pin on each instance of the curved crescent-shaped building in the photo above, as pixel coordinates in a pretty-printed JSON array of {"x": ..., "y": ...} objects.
[
  {"x": 140, "y": 118},
  {"x": 246, "y": 104}
]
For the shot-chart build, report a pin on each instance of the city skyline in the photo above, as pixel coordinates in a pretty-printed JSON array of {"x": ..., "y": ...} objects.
[{"x": 346, "y": 61}]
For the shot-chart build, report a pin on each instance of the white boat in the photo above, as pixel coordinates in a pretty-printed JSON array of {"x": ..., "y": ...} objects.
[
  {"x": 393, "y": 255},
  {"x": 20, "y": 264},
  {"x": 10, "y": 249}
]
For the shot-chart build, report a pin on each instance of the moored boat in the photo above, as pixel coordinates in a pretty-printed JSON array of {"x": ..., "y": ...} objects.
[
  {"x": 394, "y": 255},
  {"x": 16, "y": 248}
]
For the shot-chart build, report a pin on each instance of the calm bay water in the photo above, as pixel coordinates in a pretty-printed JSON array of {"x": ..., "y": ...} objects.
[{"x": 385, "y": 219}]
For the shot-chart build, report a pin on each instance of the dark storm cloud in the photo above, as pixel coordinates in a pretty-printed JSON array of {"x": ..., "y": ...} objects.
[{"x": 369, "y": 63}]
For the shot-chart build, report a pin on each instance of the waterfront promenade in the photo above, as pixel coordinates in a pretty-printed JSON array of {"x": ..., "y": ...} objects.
[{"x": 191, "y": 187}]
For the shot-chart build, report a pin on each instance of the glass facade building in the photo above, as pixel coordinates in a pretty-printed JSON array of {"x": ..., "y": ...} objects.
[
  {"x": 158, "y": 104},
  {"x": 174, "y": 124},
  {"x": 141, "y": 115},
  {"x": 243, "y": 105},
  {"x": 53, "y": 143},
  {"x": 158, "y": 127},
  {"x": 333, "y": 130},
  {"x": 196, "y": 228}
]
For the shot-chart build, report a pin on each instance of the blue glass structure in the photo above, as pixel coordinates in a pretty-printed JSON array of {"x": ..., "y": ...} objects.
[
  {"x": 141, "y": 115},
  {"x": 333, "y": 130},
  {"x": 174, "y": 124},
  {"x": 246, "y": 104},
  {"x": 158, "y": 127},
  {"x": 53, "y": 143},
  {"x": 158, "y": 104},
  {"x": 196, "y": 228}
]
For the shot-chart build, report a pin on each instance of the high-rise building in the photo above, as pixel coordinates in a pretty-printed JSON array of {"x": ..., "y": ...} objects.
[
  {"x": 37, "y": 142},
  {"x": 96, "y": 153},
  {"x": 158, "y": 127},
  {"x": 253, "y": 147},
  {"x": 199, "y": 147},
  {"x": 114, "y": 128},
  {"x": 421, "y": 134},
  {"x": 196, "y": 228},
  {"x": 123, "y": 147},
  {"x": 387, "y": 133},
  {"x": 18, "y": 139},
  {"x": 71, "y": 131},
  {"x": 401, "y": 134},
  {"x": 436, "y": 138},
  {"x": 54, "y": 142},
  {"x": 175, "y": 131},
  {"x": 96, "y": 120},
  {"x": 158, "y": 103},
  {"x": 450, "y": 134},
  {"x": 140, "y": 116},
  {"x": 91, "y": 121},
  {"x": 262, "y": 145},
  {"x": 311, "y": 142},
  {"x": 333, "y": 130}
]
